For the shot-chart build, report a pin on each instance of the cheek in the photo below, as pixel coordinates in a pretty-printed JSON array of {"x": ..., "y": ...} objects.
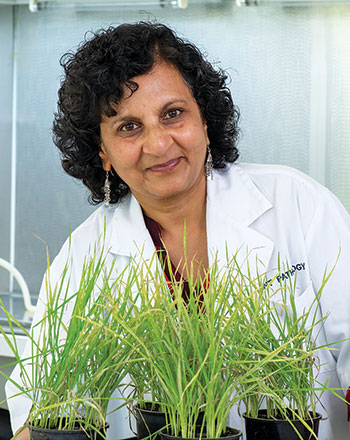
[
  {"x": 195, "y": 134},
  {"x": 125, "y": 160},
  {"x": 202, "y": 139},
  {"x": 202, "y": 129}
]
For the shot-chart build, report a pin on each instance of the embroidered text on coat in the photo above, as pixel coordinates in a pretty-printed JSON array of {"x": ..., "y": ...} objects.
[{"x": 287, "y": 274}]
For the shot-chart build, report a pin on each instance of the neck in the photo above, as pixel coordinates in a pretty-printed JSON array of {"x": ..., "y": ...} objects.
[{"x": 172, "y": 213}]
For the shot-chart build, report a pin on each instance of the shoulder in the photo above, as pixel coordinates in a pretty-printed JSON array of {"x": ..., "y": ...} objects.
[
  {"x": 277, "y": 174},
  {"x": 291, "y": 193},
  {"x": 90, "y": 236},
  {"x": 278, "y": 182}
]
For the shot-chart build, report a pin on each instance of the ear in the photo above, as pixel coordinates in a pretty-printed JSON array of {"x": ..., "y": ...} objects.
[
  {"x": 206, "y": 131},
  {"x": 104, "y": 157}
]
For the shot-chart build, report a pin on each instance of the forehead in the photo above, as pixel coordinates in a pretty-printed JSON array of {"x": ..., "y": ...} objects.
[
  {"x": 152, "y": 91},
  {"x": 162, "y": 81}
]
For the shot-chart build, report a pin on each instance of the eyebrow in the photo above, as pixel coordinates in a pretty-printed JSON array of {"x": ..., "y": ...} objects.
[{"x": 130, "y": 118}]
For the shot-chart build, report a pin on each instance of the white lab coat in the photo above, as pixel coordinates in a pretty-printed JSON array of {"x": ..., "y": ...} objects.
[{"x": 269, "y": 211}]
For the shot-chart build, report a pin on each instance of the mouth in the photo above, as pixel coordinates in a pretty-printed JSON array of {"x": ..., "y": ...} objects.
[{"x": 166, "y": 166}]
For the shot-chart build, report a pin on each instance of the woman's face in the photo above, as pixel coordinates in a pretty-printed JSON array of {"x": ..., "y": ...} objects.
[{"x": 157, "y": 141}]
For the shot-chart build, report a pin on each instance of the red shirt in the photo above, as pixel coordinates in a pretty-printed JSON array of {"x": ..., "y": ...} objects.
[{"x": 170, "y": 274}]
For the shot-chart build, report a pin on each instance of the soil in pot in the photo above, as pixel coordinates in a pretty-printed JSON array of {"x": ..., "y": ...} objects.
[
  {"x": 262, "y": 428},
  {"x": 58, "y": 434},
  {"x": 149, "y": 421},
  {"x": 230, "y": 434}
]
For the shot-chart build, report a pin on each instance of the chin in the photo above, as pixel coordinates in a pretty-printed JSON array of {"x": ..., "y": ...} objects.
[
  {"x": 170, "y": 193},
  {"x": 175, "y": 188}
]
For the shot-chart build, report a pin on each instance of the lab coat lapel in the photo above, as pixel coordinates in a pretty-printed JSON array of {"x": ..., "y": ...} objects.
[
  {"x": 130, "y": 236},
  {"x": 233, "y": 204}
]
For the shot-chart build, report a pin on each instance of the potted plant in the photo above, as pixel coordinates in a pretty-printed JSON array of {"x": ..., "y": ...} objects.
[
  {"x": 77, "y": 358},
  {"x": 284, "y": 405},
  {"x": 234, "y": 339},
  {"x": 194, "y": 349},
  {"x": 160, "y": 340}
]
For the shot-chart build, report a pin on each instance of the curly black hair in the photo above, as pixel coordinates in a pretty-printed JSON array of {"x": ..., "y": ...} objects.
[{"x": 95, "y": 77}]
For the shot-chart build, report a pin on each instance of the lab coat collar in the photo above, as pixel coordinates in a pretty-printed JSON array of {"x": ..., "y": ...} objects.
[
  {"x": 233, "y": 204},
  {"x": 233, "y": 193},
  {"x": 129, "y": 233}
]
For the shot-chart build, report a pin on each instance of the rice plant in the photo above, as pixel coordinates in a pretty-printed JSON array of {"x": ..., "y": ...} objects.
[
  {"x": 287, "y": 384},
  {"x": 78, "y": 352},
  {"x": 195, "y": 353},
  {"x": 226, "y": 341}
]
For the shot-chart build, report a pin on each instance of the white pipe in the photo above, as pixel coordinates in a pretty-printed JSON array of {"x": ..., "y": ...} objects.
[
  {"x": 299, "y": 3},
  {"x": 22, "y": 284},
  {"x": 13, "y": 148},
  {"x": 38, "y": 5}
]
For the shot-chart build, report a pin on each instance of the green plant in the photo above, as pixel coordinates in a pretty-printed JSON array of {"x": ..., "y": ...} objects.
[
  {"x": 287, "y": 385},
  {"x": 195, "y": 354},
  {"x": 77, "y": 358},
  {"x": 227, "y": 341}
]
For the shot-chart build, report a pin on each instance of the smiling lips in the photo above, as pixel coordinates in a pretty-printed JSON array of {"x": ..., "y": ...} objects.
[{"x": 167, "y": 166}]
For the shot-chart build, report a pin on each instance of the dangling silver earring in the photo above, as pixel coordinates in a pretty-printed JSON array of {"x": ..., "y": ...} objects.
[
  {"x": 107, "y": 190},
  {"x": 209, "y": 165}
]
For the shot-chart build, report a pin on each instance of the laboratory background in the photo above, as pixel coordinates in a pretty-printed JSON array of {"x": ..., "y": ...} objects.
[{"x": 289, "y": 68}]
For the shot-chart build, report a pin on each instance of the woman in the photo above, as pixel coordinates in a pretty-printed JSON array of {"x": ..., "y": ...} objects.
[{"x": 150, "y": 127}]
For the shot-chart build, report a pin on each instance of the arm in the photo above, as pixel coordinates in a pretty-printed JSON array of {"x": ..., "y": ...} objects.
[
  {"x": 328, "y": 242},
  {"x": 24, "y": 435}
]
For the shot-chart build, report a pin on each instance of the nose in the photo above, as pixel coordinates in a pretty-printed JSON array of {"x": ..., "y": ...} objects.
[{"x": 157, "y": 140}]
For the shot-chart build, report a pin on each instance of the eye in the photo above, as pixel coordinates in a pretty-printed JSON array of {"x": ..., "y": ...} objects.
[
  {"x": 130, "y": 126},
  {"x": 172, "y": 113}
]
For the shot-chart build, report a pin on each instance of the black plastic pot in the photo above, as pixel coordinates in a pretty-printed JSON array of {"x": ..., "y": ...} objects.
[
  {"x": 58, "y": 434},
  {"x": 263, "y": 428},
  {"x": 230, "y": 434},
  {"x": 150, "y": 421}
]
